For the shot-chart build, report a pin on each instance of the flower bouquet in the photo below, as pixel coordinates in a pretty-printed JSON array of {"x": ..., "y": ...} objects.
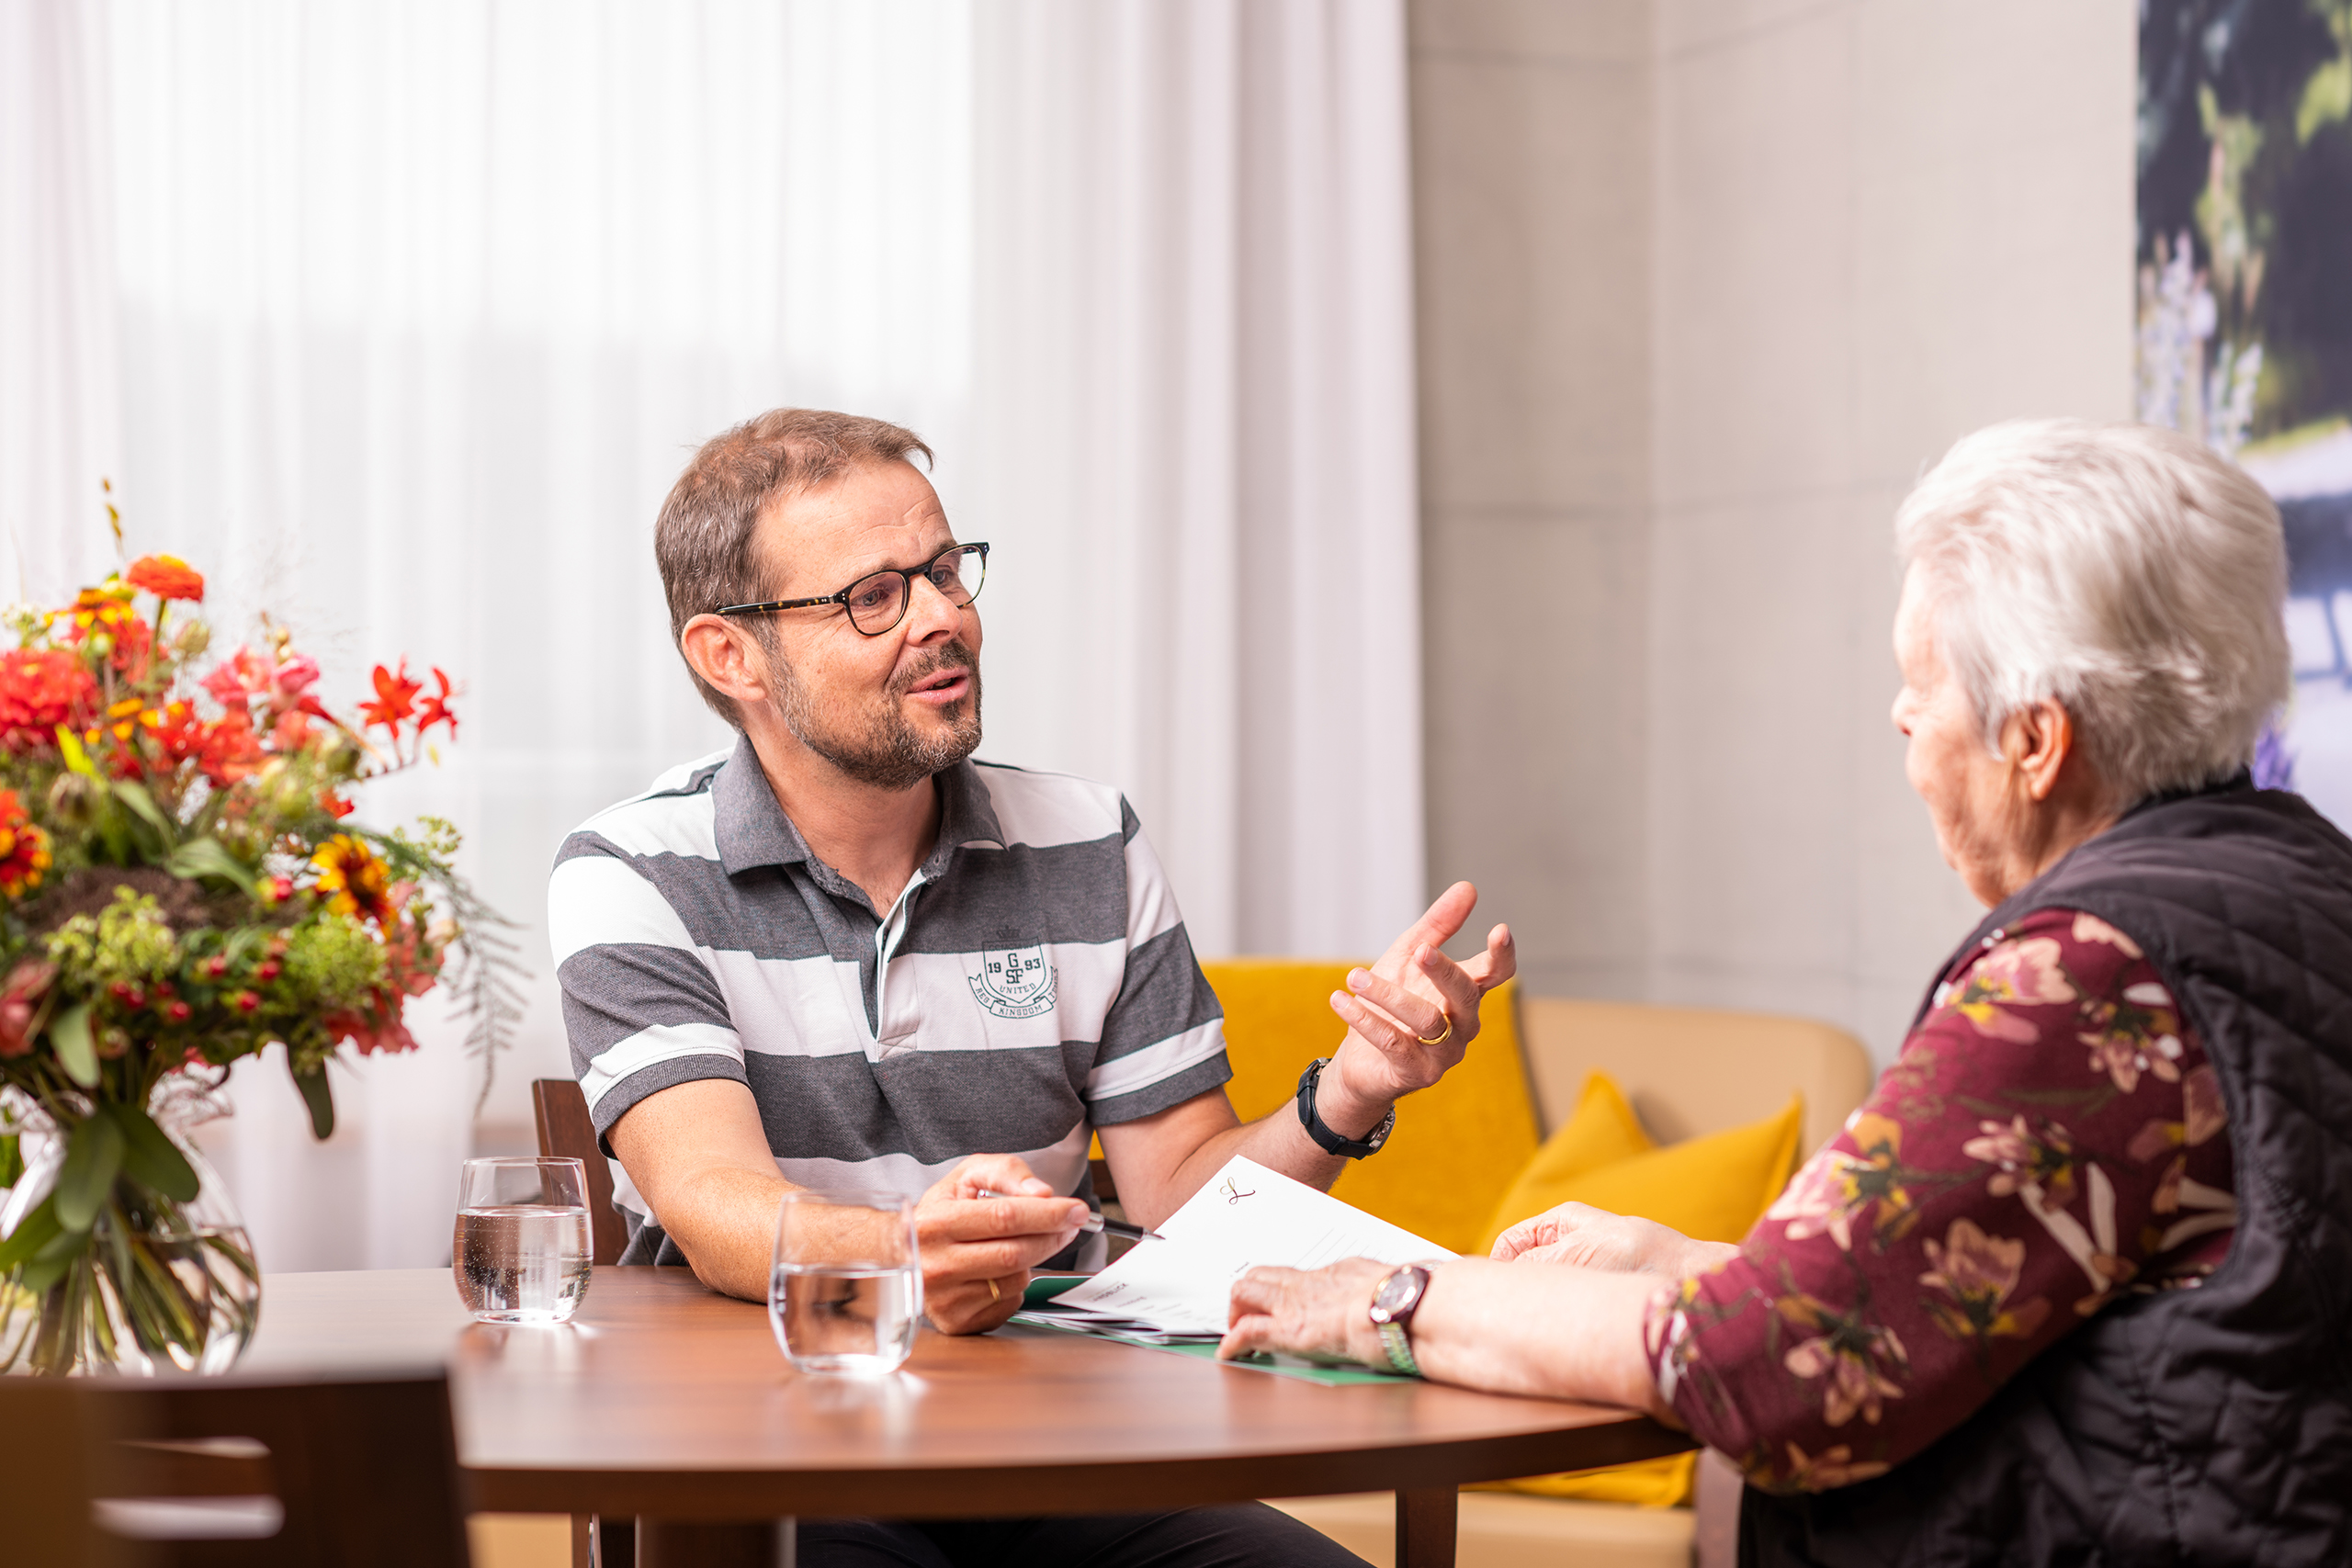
[{"x": 180, "y": 887}]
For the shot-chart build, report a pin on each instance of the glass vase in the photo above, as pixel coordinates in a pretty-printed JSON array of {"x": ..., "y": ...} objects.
[{"x": 157, "y": 1286}]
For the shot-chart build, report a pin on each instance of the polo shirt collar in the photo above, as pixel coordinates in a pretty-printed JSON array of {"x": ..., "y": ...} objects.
[{"x": 752, "y": 829}]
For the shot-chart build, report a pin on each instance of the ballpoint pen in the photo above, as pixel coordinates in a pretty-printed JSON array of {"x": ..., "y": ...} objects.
[{"x": 1096, "y": 1220}]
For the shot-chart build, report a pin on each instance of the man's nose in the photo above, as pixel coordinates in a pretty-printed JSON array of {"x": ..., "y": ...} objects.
[{"x": 930, "y": 612}]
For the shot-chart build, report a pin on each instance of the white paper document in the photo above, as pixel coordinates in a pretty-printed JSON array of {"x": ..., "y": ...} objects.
[{"x": 1246, "y": 1216}]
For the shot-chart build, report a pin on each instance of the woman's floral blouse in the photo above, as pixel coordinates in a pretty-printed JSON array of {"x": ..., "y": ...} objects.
[{"x": 2050, "y": 1139}]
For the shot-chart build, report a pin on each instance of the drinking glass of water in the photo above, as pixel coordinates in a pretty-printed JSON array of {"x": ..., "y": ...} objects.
[
  {"x": 521, "y": 1251},
  {"x": 847, "y": 1287}
]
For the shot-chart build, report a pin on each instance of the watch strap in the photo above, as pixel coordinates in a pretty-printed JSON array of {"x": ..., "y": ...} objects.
[{"x": 1328, "y": 1141}]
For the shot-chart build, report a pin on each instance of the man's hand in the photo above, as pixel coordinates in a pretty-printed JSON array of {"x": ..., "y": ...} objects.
[
  {"x": 976, "y": 1252},
  {"x": 1595, "y": 1238},
  {"x": 1410, "y": 1016},
  {"x": 1322, "y": 1313}
]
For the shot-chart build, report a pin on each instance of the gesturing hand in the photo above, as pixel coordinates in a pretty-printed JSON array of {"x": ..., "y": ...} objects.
[
  {"x": 970, "y": 1244},
  {"x": 1595, "y": 1238},
  {"x": 1411, "y": 1015}
]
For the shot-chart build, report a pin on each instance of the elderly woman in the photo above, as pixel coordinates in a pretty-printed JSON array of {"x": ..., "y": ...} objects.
[{"x": 2076, "y": 1283}]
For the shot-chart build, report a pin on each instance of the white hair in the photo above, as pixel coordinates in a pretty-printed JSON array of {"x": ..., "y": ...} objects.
[{"x": 2124, "y": 571}]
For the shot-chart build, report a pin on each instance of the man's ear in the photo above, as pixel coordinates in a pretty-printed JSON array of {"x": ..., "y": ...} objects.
[
  {"x": 727, "y": 657},
  {"x": 2038, "y": 740}
]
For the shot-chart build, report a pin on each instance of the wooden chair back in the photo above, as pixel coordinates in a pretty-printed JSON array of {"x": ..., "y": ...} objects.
[
  {"x": 566, "y": 1132},
  {"x": 233, "y": 1472}
]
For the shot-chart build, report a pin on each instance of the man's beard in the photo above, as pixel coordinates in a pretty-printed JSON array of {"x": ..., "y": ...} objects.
[{"x": 878, "y": 747}]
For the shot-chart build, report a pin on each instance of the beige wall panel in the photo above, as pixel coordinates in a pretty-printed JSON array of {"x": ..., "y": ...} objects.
[
  {"x": 1691, "y": 26},
  {"x": 1992, "y": 221},
  {"x": 1754, "y": 309},
  {"x": 1541, "y": 758},
  {"x": 1560, "y": 31},
  {"x": 1753, "y": 638},
  {"x": 1532, "y": 231},
  {"x": 1534, "y": 263}
]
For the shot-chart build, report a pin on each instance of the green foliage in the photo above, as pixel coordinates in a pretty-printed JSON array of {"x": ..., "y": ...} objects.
[
  {"x": 130, "y": 944},
  {"x": 332, "y": 959}
]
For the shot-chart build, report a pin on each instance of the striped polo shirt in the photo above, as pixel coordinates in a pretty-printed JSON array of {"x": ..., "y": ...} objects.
[{"x": 1032, "y": 982}]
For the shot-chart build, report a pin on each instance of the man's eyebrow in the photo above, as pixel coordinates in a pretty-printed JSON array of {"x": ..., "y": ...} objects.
[{"x": 866, "y": 571}]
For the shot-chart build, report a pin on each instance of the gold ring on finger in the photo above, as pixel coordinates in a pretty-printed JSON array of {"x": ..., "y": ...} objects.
[
  {"x": 1442, "y": 1035},
  {"x": 994, "y": 1294}
]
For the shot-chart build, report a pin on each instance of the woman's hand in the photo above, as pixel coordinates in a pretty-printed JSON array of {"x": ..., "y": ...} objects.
[
  {"x": 976, "y": 1252},
  {"x": 1595, "y": 1238},
  {"x": 1322, "y": 1313}
]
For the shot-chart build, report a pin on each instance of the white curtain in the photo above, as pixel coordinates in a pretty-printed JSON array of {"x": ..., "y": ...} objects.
[
  {"x": 59, "y": 432},
  {"x": 423, "y": 308}
]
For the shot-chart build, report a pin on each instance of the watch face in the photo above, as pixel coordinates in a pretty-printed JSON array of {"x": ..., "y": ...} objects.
[{"x": 1398, "y": 1292}]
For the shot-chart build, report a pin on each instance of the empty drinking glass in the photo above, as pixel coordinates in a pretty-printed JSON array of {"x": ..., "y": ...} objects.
[
  {"x": 521, "y": 1251},
  {"x": 847, "y": 1286}
]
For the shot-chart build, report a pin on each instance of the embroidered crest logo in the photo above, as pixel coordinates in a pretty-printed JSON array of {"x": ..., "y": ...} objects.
[{"x": 1013, "y": 982}]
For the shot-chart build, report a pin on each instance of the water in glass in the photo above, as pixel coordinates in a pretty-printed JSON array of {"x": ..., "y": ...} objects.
[
  {"x": 521, "y": 1262},
  {"x": 844, "y": 1319},
  {"x": 846, "y": 1289},
  {"x": 521, "y": 1252}
]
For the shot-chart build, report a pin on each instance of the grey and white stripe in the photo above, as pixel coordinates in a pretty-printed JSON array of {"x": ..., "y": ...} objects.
[{"x": 1032, "y": 982}]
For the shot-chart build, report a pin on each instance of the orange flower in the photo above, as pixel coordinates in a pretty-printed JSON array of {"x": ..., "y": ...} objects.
[
  {"x": 435, "y": 708},
  {"x": 395, "y": 698},
  {"x": 166, "y": 576},
  {"x": 353, "y": 880},
  {"x": 24, "y": 848}
]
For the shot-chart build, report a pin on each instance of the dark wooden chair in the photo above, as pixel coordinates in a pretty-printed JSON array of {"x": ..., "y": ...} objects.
[
  {"x": 565, "y": 1130},
  {"x": 232, "y": 1472}
]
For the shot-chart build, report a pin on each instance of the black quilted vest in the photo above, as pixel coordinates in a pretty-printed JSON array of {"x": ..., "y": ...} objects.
[{"x": 2198, "y": 1426}]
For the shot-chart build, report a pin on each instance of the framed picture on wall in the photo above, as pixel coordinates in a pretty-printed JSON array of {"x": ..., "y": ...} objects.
[{"x": 2244, "y": 290}]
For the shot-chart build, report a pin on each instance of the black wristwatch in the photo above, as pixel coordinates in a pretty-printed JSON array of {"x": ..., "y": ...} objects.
[
  {"x": 1328, "y": 1141},
  {"x": 1392, "y": 1316}
]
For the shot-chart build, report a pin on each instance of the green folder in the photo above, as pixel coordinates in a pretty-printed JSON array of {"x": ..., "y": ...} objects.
[{"x": 1046, "y": 1286}]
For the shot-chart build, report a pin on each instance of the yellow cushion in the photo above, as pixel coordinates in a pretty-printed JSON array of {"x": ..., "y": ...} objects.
[
  {"x": 1601, "y": 1130},
  {"x": 1458, "y": 1144},
  {"x": 1711, "y": 1189}
]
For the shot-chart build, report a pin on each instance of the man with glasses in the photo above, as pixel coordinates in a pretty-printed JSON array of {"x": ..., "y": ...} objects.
[{"x": 844, "y": 954}]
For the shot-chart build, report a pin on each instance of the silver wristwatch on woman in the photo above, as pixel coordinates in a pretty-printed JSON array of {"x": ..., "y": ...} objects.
[{"x": 1391, "y": 1314}]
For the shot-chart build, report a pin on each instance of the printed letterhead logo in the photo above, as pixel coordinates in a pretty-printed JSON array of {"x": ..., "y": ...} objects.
[{"x": 1012, "y": 982}]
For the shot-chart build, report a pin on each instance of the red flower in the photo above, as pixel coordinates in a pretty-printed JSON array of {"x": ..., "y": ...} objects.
[
  {"x": 435, "y": 708},
  {"x": 229, "y": 750},
  {"x": 166, "y": 576},
  {"x": 24, "y": 848},
  {"x": 375, "y": 1027},
  {"x": 395, "y": 698},
  {"x": 41, "y": 688}
]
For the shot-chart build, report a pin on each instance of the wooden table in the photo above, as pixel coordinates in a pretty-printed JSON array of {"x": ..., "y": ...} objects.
[{"x": 665, "y": 1400}]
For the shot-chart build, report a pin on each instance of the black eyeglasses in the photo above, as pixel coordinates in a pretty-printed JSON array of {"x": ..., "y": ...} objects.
[{"x": 877, "y": 602}]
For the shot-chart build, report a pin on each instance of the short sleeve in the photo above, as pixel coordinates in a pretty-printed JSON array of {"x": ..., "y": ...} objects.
[
  {"x": 642, "y": 1009},
  {"x": 1163, "y": 1040}
]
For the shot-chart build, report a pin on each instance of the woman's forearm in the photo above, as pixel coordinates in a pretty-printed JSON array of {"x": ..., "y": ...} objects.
[{"x": 1540, "y": 1328}]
